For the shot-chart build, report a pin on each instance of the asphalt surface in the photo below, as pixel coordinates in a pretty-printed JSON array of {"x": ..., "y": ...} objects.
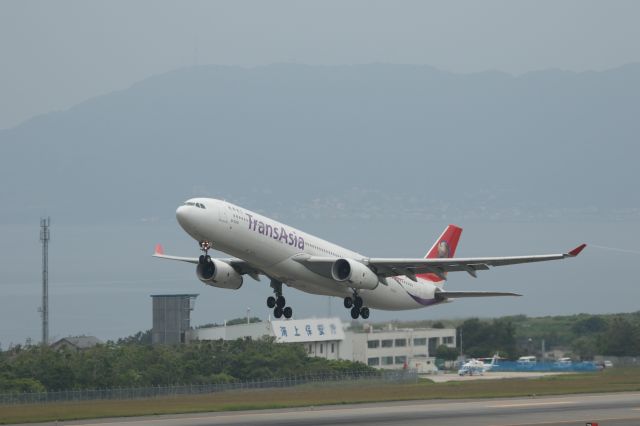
[
  {"x": 621, "y": 409},
  {"x": 490, "y": 375}
]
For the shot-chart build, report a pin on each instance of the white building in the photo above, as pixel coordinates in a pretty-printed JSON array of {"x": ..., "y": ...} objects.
[
  {"x": 321, "y": 337},
  {"x": 326, "y": 338},
  {"x": 399, "y": 348}
]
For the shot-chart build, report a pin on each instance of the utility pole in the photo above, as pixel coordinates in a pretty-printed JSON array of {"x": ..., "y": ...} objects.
[{"x": 44, "y": 309}]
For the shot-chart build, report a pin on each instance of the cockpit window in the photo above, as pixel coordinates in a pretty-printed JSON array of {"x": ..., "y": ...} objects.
[{"x": 198, "y": 205}]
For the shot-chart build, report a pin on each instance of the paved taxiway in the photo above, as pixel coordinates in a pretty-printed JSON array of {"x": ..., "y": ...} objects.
[
  {"x": 490, "y": 375},
  {"x": 621, "y": 409}
]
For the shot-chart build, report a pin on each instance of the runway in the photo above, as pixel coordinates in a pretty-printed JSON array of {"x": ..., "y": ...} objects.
[
  {"x": 621, "y": 409},
  {"x": 490, "y": 375}
]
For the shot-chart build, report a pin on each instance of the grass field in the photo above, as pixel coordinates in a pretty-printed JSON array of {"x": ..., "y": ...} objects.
[{"x": 613, "y": 380}]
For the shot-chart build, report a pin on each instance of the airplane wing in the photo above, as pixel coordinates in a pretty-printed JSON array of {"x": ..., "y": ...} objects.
[
  {"x": 438, "y": 266},
  {"x": 460, "y": 294},
  {"x": 159, "y": 253},
  {"x": 239, "y": 265},
  {"x": 391, "y": 267}
]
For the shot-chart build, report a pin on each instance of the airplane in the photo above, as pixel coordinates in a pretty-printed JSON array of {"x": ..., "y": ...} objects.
[
  {"x": 479, "y": 365},
  {"x": 263, "y": 246},
  {"x": 489, "y": 363},
  {"x": 472, "y": 367}
]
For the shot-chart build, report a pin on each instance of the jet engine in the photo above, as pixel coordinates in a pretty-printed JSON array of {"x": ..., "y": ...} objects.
[
  {"x": 219, "y": 274},
  {"x": 354, "y": 274}
]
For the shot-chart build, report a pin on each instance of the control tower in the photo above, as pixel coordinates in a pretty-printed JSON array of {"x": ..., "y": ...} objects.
[{"x": 171, "y": 318}]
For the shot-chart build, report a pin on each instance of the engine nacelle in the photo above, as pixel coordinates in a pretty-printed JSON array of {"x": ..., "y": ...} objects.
[
  {"x": 354, "y": 274},
  {"x": 219, "y": 274}
]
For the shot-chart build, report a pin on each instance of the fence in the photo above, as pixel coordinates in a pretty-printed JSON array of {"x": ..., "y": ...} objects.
[
  {"x": 619, "y": 361},
  {"x": 545, "y": 366},
  {"x": 392, "y": 376}
]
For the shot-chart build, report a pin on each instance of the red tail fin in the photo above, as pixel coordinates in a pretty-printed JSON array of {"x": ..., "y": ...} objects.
[{"x": 445, "y": 246}]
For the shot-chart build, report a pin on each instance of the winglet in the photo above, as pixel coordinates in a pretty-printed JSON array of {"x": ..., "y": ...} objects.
[
  {"x": 159, "y": 249},
  {"x": 576, "y": 251}
]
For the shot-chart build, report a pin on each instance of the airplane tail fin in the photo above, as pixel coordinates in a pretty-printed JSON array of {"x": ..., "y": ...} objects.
[{"x": 445, "y": 246}]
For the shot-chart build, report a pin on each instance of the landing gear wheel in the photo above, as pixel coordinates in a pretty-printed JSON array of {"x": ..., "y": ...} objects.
[
  {"x": 204, "y": 258},
  {"x": 355, "y": 313},
  {"x": 348, "y": 302},
  {"x": 358, "y": 302},
  {"x": 364, "y": 313},
  {"x": 271, "y": 302},
  {"x": 277, "y": 312},
  {"x": 288, "y": 312},
  {"x": 281, "y": 302}
]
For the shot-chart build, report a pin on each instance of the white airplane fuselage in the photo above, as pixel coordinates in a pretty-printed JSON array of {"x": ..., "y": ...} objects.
[{"x": 271, "y": 246}]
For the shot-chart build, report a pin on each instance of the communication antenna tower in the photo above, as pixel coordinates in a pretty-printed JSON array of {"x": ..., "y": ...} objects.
[{"x": 44, "y": 310}]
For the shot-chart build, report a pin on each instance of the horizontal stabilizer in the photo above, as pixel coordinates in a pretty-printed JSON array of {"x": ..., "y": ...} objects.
[{"x": 460, "y": 294}]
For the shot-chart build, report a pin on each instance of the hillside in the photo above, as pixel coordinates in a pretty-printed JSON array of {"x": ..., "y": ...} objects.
[{"x": 335, "y": 141}]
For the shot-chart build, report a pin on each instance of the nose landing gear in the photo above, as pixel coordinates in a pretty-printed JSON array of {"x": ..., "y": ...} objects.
[
  {"x": 356, "y": 305},
  {"x": 278, "y": 303},
  {"x": 204, "y": 258}
]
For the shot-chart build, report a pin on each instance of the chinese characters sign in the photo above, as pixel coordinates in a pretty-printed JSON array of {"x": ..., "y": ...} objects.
[{"x": 308, "y": 330}]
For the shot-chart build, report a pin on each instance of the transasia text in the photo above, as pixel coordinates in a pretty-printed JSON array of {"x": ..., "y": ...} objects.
[{"x": 275, "y": 232}]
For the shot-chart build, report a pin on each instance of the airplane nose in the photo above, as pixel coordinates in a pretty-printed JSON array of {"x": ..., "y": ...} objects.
[{"x": 181, "y": 215}]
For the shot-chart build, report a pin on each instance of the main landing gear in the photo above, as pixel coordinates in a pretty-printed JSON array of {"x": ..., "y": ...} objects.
[
  {"x": 355, "y": 304},
  {"x": 278, "y": 303},
  {"x": 204, "y": 258}
]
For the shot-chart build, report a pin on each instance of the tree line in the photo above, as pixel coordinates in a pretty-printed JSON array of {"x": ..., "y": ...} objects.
[
  {"x": 583, "y": 336},
  {"x": 112, "y": 365}
]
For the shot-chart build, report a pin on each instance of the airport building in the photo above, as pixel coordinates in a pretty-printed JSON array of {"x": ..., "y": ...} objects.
[
  {"x": 321, "y": 337},
  {"x": 327, "y": 338},
  {"x": 399, "y": 348}
]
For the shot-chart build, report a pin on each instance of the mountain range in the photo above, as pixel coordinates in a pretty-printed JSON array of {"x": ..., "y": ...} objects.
[{"x": 325, "y": 141}]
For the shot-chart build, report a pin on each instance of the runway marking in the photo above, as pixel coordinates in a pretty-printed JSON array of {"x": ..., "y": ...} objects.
[
  {"x": 223, "y": 414},
  {"x": 530, "y": 404},
  {"x": 260, "y": 413},
  {"x": 557, "y": 422},
  {"x": 426, "y": 405}
]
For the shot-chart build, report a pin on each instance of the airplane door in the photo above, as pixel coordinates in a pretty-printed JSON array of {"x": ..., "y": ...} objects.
[{"x": 223, "y": 216}]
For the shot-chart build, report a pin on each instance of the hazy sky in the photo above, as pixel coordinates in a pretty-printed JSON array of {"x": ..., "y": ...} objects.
[{"x": 56, "y": 54}]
